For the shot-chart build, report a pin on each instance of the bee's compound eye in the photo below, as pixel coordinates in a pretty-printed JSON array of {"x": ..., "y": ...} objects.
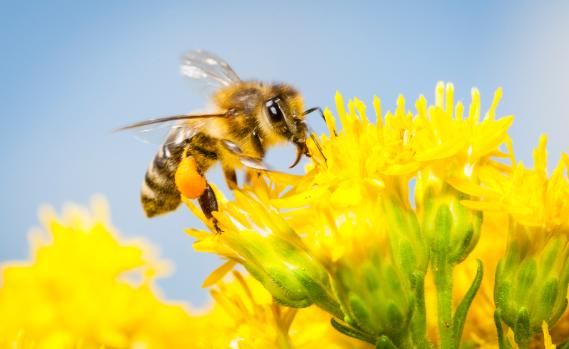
[{"x": 274, "y": 109}]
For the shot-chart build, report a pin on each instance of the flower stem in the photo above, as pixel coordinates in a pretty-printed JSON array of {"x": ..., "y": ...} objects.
[
  {"x": 442, "y": 265},
  {"x": 443, "y": 282}
]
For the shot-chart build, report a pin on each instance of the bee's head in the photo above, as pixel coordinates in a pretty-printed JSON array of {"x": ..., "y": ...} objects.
[{"x": 285, "y": 113}]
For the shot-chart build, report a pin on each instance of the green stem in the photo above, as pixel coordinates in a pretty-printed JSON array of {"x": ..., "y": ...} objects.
[
  {"x": 443, "y": 283},
  {"x": 442, "y": 271}
]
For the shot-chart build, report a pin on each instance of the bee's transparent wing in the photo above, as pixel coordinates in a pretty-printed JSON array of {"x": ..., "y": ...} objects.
[
  {"x": 155, "y": 134},
  {"x": 207, "y": 72},
  {"x": 170, "y": 129}
]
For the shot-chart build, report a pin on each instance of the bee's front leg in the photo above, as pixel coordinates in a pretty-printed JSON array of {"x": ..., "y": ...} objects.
[{"x": 208, "y": 204}]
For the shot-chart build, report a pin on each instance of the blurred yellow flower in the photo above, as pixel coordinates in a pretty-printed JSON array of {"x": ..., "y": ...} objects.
[{"x": 84, "y": 288}]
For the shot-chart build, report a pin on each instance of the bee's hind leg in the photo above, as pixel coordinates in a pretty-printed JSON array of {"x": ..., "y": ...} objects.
[{"x": 208, "y": 204}]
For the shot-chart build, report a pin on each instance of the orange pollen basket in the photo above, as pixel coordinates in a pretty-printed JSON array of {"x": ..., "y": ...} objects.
[{"x": 188, "y": 180}]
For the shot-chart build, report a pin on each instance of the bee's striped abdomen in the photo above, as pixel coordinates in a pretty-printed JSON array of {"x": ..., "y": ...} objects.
[{"x": 159, "y": 193}]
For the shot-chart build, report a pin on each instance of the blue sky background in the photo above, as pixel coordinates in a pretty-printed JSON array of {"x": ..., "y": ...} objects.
[{"x": 73, "y": 71}]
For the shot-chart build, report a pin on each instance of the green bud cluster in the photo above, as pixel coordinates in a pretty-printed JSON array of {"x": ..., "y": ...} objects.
[
  {"x": 531, "y": 281},
  {"x": 376, "y": 297}
]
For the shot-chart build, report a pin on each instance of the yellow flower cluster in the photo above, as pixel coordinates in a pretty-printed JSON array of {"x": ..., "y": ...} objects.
[
  {"x": 531, "y": 279},
  {"x": 531, "y": 197},
  {"x": 385, "y": 228}
]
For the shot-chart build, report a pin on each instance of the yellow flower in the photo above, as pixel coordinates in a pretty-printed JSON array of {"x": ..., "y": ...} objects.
[
  {"x": 537, "y": 251},
  {"x": 85, "y": 288}
]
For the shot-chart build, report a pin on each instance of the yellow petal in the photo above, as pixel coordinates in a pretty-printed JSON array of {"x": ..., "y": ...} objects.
[
  {"x": 301, "y": 199},
  {"x": 218, "y": 273},
  {"x": 466, "y": 186},
  {"x": 198, "y": 234},
  {"x": 547, "y": 342},
  {"x": 481, "y": 205}
]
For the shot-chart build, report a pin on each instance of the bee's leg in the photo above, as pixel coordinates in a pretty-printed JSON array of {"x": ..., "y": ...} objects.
[
  {"x": 230, "y": 177},
  {"x": 320, "y": 111},
  {"x": 208, "y": 204}
]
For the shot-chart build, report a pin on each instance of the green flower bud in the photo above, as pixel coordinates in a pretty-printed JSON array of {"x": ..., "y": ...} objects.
[
  {"x": 452, "y": 229},
  {"x": 284, "y": 266}
]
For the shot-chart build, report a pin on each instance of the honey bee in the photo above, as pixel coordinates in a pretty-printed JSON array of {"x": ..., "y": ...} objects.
[{"x": 246, "y": 118}]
